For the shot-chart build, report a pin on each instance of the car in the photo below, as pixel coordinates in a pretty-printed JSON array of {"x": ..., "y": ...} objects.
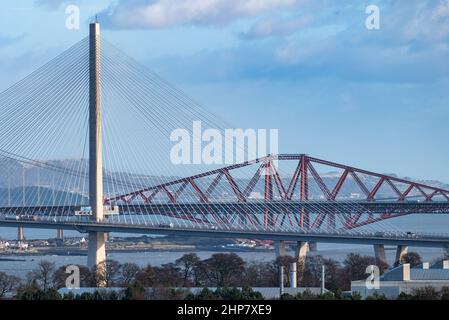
[
  {"x": 166, "y": 225},
  {"x": 12, "y": 218},
  {"x": 411, "y": 234},
  {"x": 379, "y": 234},
  {"x": 26, "y": 217}
]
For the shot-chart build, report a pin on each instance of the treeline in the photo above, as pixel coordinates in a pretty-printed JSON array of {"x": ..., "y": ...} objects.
[{"x": 221, "y": 270}]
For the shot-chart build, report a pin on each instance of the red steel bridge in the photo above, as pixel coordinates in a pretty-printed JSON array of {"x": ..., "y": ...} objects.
[{"x": 284, "y": 206}]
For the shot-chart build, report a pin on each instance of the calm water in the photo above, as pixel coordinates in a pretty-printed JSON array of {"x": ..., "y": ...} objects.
[{"x": 415, "y": 223}]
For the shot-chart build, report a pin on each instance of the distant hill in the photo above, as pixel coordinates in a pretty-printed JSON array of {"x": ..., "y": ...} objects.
[{"x": 23, "y": 183}]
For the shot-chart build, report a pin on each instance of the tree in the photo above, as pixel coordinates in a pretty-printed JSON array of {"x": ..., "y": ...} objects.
[
  {"x": 261, "y": 274},
  {"x": 413, "y": 258},
  {"x": 107, "y": 273},
  {"x": 188, "y": 265},
  {"x": 147, "y": 276},
  {"x": 43, "y": 274},
  {"x": 134, "y": 292},
  {"x": 8, "y": 284},
  {"x": 204, "y": 294},
  {"x": 49, "y": 294},
  {"x": 426, "y": 293},
  {"x": 249, "y": 294},
  {"x": 225, "y": 269},
  {"x": 168, "y": 275},
  {"x": 376, "y": 296},
  {"x": 129, "y": 272}
]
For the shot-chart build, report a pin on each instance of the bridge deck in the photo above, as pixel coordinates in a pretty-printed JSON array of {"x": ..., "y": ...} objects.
[
  {"x": 255, "y": 207},
  {"x": 419, "y": 240}
]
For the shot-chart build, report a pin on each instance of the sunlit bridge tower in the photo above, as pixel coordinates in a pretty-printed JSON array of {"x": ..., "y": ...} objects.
[{"x": 96, "y": 250}]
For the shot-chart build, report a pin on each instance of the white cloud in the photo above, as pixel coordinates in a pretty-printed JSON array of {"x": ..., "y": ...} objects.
[
  {"x": 431, "y": 23},
  {"x": 50, "y": 4},
  {"x": 168, "y": 13},
  {"x": 276, "y": 26}
]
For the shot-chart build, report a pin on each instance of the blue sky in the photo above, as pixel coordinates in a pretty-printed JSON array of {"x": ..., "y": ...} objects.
[{"x": 377, "y": 99}]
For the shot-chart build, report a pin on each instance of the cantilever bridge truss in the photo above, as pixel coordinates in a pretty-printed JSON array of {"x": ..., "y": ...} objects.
[{"x": 285, "y": 201}]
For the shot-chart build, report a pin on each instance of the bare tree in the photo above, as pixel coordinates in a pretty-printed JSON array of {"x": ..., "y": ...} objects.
[
  {"x": 8, "y": 284},
  {"x": 129, "y": 272},
  {"x": 43, "y": 274},
  {"x": 225, "y": 269},
  {"x": 188, "y": 264}
]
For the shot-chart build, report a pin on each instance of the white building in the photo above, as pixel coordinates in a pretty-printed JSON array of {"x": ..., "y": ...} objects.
[{"x": 405, "y": 279}]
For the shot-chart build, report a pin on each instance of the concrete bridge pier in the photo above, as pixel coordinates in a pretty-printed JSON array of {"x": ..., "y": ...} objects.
[
  {"x": 301, "y": 250},
  {"x": 20, "y": 234},
  {"x": 279, "y": 248},
  {"x": 96, "y": 251},
  {"x": 59, "y": 237},
  {"x": 302, "y": 247},
  {"x": 379, "y": 254},
  {"x": 401, "y": 251}
]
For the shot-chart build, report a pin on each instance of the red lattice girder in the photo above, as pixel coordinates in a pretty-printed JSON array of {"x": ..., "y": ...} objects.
[{"x": 298, "y": 185}]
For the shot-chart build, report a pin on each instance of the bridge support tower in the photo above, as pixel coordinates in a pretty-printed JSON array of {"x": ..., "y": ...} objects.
[
  {"x": 20, "y": 234},
  {"x": 379, "y": 254},
  {"x": 96, "y": 248},
  {"x": 59, "y": 237},
  {"x": 279, "y": 248},
  {"x": 302, "y": 247},
  {"x": 401, "y": 251}
]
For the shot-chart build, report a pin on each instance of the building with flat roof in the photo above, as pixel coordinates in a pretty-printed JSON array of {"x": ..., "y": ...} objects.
[{"x": 404, "y": 279}]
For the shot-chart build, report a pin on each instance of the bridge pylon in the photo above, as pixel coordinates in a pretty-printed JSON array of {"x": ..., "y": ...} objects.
[
  {"x": 20, "y": 234},
  {"x": 96, "y": 249}
]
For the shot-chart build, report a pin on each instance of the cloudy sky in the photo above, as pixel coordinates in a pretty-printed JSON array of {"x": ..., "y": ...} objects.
[{"x": 377, "y": 99}]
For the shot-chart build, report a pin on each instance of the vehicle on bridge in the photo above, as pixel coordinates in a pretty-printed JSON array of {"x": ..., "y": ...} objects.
[
  {"x": 21, "y": 217},
  {"x": 12, "y": 218},
  {"x": 167, "y": 225}
]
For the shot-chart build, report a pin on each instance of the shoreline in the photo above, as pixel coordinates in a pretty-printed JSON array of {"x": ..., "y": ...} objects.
[{"x": 83, "y": 252}]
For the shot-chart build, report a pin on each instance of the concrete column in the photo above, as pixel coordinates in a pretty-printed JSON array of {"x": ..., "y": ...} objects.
[
  {"x": 279, "y": 248},
  {"x": 445, "y": 264},
  {"x": 96, "y": 249},
  {"x": 302, "y": 248},
  {"x": 59, "y": 237},
  {"x": 281, "y": 280},
  {"x": 406, "y": 272},
  {"x": 293, "y": 273},
  {"x": 301, "y": 251},
  {"x": 379, "y": 254},
  {"x": 20, "y": 234},
  {"x": 323, "y": 279},
  {"x": 401, "y": 251}
]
